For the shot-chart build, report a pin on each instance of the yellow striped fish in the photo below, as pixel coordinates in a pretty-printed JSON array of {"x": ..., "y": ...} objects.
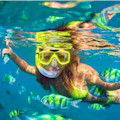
[
  {"x": 51, "y": 117},
  {"x": 58, "y": 101},
  {"x": 111, "y": 75},
  {"x": 14, "y": 113}
]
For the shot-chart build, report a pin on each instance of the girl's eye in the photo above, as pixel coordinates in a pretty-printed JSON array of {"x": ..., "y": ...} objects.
[
  {"x": 46, "y": 56},
  {"x": 62, "y": 56}
]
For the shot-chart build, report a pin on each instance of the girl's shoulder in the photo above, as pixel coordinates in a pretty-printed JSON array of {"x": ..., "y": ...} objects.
[{"x": 85, "y": 68}]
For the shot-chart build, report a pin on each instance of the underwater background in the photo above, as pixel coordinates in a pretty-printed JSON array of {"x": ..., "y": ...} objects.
[{"x": 34, "y": 17}]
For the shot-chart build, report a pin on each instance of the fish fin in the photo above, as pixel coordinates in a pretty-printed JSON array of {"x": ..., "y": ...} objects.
[
  {"x": 64, "y": 116},
  {"x": 35, "y": 113},
  {"x": 29, "y": 100},
  {"x": 75, "y": 102}
]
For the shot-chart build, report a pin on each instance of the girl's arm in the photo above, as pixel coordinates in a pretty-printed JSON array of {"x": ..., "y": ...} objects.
[
  {"x": 20, "y": 62},
  {"x": 19, "y": 35},
  {"x": 92, "y": 78}
]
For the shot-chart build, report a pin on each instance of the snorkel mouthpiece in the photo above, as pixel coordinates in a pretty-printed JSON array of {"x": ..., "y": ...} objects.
[{"x": 49, "y": 74}]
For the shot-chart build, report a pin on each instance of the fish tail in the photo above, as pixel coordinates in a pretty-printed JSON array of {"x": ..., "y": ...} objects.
[{"x": 75, "y": 102}]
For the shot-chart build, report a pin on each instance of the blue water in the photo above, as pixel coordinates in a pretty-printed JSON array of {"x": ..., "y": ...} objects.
[{"x": 31, "y": 16}]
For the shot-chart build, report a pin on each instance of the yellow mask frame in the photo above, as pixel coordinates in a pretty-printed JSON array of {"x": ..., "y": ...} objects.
[{"x": 53, "y": 55}]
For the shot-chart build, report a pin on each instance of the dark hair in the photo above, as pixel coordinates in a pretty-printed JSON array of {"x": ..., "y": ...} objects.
[{"x": 67, "y": 74}]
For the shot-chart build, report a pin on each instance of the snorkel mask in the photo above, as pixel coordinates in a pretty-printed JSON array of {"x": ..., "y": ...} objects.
[
  {"x": 45, "y": 57},
  {"x": 58, "y": 52}
]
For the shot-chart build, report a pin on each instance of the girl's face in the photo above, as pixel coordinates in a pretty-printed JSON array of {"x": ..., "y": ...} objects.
[{"x": 53, "y": 61}]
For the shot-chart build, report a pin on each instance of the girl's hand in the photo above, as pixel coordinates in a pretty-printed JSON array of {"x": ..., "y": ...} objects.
[{"x": 6, "y": 51}]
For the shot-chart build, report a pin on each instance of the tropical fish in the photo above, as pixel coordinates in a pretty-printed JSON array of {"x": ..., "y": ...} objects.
[
  {"x": 45, "y": 117},
  {"x": 33, "y": 96},
  {"x": 58, "y": 101},
  {"x": 22, "y": 90},
  {"x": 15, "y": 114},
  {"x": 6, "y": 59},
  {"x": 111, "y": 75},
  {"x": 108, "y": 75},
  {"x": 50, "y": 117},
  {"x": 96, "y": 106},
  {"x": 101, "y": 19},
  {"x": 21, "y": 115},
  {"x": 52, "y": 19},
  {"x": 9, "y": 79},
  {"x": 98, "y": 91},
  {"x": 17, "y": 71}
]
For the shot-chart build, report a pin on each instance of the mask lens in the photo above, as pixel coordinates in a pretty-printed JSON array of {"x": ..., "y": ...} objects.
[
  {"x": 63, "y": 56},
  {"x": 45, "y": 57}
]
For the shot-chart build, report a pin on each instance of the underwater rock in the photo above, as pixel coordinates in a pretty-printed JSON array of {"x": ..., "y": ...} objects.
[{"x": 58, "y": 101}]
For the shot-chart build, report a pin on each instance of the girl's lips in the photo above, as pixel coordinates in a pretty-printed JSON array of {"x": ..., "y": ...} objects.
[{"x": 54, "y": 69}]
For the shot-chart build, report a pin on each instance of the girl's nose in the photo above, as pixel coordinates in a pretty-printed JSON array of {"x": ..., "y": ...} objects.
[{"x": 54, "y": 63}]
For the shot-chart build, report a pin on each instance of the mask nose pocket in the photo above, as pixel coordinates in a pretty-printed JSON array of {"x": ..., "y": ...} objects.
[{"x": 54, "y": 63}]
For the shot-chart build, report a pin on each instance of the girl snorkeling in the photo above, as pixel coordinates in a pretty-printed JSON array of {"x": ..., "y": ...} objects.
[{"x": 58, "y": 66}]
